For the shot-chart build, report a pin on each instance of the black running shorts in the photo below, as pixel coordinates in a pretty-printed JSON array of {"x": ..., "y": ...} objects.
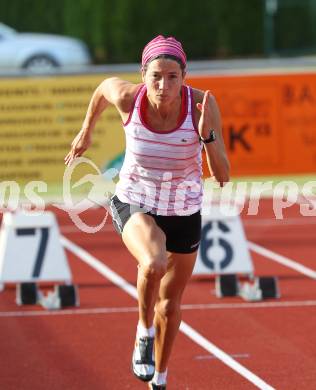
[{"x": 183, "y": 233}]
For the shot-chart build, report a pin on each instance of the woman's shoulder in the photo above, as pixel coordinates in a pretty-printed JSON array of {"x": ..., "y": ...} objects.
[
  {"x": 121, "y": 92},
  {"x": 198, "y": 95}
]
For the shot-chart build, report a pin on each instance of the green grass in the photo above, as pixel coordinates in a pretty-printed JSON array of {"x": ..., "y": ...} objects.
[
  {"x": 55, "y": 191},
  {"x": 300, "y": 180},
  {"x": 276, "y": 185}
]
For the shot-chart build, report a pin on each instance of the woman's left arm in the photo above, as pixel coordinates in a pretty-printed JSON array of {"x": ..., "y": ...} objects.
[{"x": 210, "y": 119}]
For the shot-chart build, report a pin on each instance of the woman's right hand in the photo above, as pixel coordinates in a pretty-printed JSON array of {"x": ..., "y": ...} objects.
[{"x": 79, "y": 145}]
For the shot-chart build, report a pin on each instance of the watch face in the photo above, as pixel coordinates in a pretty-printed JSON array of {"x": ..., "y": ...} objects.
[{"x": 211, "y": 138}]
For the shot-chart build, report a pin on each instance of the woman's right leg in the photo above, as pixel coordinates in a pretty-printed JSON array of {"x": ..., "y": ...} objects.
[{"x": 147, "y": 243}]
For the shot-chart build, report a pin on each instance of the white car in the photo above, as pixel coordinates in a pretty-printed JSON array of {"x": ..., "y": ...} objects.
[{"x": 40, "y": 52}]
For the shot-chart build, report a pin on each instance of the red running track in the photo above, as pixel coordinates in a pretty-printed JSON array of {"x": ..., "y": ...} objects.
[{"x": 90, "y": 347}]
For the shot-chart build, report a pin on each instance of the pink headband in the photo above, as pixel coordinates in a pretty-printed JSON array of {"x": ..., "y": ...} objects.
[{"x": 161, "y": 45}]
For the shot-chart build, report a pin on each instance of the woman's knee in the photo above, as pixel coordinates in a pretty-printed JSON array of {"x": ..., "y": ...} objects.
[
  {"x": 153, "y": 268},
  {"x": 168, "y": 307}
]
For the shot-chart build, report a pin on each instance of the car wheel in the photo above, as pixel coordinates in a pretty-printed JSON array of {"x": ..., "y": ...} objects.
[{"x": 40, "y": 63}]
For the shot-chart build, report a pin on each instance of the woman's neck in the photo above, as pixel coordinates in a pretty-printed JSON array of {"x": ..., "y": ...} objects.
[
  {"x": 163, "y": 117},
  {"x": 162, "y": 110}
]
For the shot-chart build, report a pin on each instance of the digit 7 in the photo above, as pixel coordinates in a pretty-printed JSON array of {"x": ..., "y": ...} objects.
[{"x": 41, "y": 249}]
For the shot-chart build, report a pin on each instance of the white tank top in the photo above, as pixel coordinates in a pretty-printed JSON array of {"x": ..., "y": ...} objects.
[{"x": 162, "y": 171}]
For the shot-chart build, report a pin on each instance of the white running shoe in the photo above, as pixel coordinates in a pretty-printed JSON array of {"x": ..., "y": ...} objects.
[
  {"x": 152, "y": 386},
  {"x": 143, "y": 363}
]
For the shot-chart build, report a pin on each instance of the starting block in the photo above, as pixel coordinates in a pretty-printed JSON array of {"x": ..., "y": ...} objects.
[
  {"x": 259, "y": 288},
  {"x": 30, "y": 253},
  {"x": 224, "y": 253},
  {"x": 226, "y": 285},
  {"x": 62, "y": 296},
  {"x": 223, "y": 248}
]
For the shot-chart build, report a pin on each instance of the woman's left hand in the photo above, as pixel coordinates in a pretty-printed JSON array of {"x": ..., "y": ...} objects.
[{"x": 205, "y": 122}]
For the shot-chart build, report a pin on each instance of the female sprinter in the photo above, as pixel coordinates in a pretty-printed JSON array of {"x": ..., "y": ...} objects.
[{"x": 156, "y": 207}]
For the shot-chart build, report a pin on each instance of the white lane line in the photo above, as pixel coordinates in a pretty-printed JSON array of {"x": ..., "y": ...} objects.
[
  {"x": 67, "y": 312},
  {"x": 248, "y": 305},
  {"x": 99, "y": 266},
  {"x": 134, "y": 309},
  {"x": 272, "y": 222},
  {"x": 282, "y": 260},
  {"x": 223, "y": 356},
  {"x": 185, "y": 328},
  {"x": 234, "y": 355}
]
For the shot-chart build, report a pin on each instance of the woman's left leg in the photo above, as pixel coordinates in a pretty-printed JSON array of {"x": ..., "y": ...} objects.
[{"x": 167, "y": 309}]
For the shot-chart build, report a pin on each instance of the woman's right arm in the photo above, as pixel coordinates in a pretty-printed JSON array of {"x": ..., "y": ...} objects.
[{"x": 111, "y": 91}]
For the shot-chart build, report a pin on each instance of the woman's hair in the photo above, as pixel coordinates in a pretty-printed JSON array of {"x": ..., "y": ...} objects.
[
  {"x": 165, "y": 57},
  {"x": 167, "y": 46}
]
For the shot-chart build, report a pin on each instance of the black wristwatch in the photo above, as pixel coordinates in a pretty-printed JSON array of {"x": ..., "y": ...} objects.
[{"x": 211, "y": 138}]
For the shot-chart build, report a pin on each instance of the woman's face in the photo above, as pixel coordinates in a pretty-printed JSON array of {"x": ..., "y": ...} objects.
[{"x": 163, "y": 79}]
